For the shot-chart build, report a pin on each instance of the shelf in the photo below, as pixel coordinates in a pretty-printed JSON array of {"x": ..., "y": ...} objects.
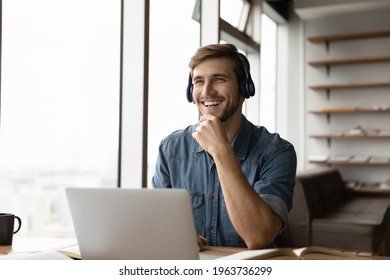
[
  {"x": 349, "y": 111},
  {"x": 349, "y": 61},
  {"x": 350, "y": 136},
  {"x": 350, "y": 36},
  {"x": 373, "y": 190},
  {"x": 349, "y": 86},
  {"x": 338, "y": 61},
  {"x": 347, "y": 163}
]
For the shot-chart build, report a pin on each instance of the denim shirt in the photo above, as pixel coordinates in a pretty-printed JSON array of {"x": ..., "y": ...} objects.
[{"x": 267, "y": 161}]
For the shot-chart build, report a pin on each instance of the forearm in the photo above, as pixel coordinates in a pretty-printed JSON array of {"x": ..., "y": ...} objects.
[{"x": 250, "y": 215}]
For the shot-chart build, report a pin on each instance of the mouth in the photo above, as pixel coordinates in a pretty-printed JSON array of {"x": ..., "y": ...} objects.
[{"x": 212, "y": 103}]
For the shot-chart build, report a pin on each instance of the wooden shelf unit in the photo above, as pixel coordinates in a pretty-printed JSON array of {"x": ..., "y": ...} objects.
[
  {"x": 347, "y": 163},
  {"x": 350, "y": 36},
  {"x": 328, "y": 88},
  {"x": 350, "y": 136},
  {"x": 358, "y": 60},
  {"x": 349, "y": 86},
  {"x": 348, "y": 111}
]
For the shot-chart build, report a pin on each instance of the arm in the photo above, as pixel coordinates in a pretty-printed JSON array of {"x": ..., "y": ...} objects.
[{"x": 252, "y": 218}]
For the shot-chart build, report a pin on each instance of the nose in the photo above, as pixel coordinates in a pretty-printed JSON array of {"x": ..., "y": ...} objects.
[{"x": 208, "y": 88}]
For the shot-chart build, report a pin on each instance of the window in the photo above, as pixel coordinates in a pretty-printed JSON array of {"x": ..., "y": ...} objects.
[
  {"x": 235, "y": 12},
  {"x": 59, "y": 106},
  {"x": 173, "y": 40},
  {"x": 268, "y": 73}
]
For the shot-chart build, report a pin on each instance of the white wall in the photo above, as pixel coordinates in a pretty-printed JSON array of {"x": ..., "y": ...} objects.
[{"x": 302, "y": 76}]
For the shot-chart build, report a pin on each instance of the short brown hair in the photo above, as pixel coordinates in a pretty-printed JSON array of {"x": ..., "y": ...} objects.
[{"x": 221, "y": 50}]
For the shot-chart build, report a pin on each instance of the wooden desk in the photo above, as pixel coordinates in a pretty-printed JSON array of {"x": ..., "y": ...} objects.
[
  {"x": 39, "y": 244},
  {"x": 221, "y": 251},
  {"x": 22, "y": 244},
  {"x": 67, "y": 246}
]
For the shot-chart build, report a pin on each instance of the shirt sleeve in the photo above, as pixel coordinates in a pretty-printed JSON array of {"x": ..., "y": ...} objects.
[
  {"x": 277, "y": 180},
  {"x": 161, "y": 177}
]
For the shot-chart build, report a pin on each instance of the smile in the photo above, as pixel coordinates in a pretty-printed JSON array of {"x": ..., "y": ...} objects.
[{"x": 212, "y": 103}]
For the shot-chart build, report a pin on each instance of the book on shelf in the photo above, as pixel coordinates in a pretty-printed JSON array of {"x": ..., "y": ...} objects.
[
  {"x": 304, "y": 253},
  {"x": 340, "y": 158},
  {"x": 379, "y": 159},
  {"x": 359, "y": 159},
  {"x": 373, "y": 131},
  {"x": 318, "y": 158}
]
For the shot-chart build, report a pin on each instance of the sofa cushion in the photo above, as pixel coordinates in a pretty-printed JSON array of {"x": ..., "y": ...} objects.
[
  {"x": 324, "y": 190},
  {"x": 362, "y": 204},
  {"x": 349, "y": 230}
]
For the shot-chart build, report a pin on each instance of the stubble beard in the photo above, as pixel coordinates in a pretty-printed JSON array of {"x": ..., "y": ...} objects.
[{"x": 228, "y": 111}]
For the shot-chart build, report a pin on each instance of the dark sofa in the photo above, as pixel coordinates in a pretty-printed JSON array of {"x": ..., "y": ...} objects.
[{"x": 327, "y": 213}]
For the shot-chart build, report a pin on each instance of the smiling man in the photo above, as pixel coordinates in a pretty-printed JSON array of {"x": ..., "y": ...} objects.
[{"x": 240, "y": 177}]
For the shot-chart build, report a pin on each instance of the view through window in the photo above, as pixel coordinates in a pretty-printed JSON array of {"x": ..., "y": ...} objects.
[
  {"x": 60, "y": 99},
  {"x": 59, "y": 107},
  {"x": 171, "y": 47}
]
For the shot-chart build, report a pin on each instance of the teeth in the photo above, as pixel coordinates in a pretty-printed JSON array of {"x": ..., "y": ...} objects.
[{"x": 212, "y": 103}]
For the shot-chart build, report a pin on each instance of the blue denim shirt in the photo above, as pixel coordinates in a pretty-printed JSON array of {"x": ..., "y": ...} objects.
[{"x": 267, "y": 161}]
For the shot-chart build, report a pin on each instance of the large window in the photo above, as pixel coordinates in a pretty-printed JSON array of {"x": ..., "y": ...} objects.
[
  {"x": 174, "y": 38},
  {"x": 268, "y": 73},
  {"x": 60, "y": 94},
  {"x": 59, "y": 106}
]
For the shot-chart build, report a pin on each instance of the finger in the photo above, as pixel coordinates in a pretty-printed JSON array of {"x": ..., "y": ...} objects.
[
  {"x": 202, "y": 123},
  {"x": 201, "y": 241},
  {"x": 207, "y": 117}
]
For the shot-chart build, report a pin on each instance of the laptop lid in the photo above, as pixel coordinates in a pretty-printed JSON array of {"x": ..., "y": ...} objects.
[{"x": 133, "y": 223}]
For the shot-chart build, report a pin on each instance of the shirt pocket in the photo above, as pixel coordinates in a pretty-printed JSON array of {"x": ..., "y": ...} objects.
[{"x": 197, "y": 201}]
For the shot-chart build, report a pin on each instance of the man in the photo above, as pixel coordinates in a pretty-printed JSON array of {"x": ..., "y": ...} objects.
[{"x": 240, "y": 177}]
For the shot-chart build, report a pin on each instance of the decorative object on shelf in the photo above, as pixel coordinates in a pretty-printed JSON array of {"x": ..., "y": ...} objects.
[
  {"x": 318, "y": 158},
  {"x": 358, "y": 130}
]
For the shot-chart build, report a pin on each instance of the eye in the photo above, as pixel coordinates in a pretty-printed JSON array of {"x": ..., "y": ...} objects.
[
  {"x": 219, "y": 79},
  {"x": 198, "y": 82}
]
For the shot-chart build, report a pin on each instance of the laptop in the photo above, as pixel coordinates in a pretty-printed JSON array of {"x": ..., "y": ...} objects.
[{"x": 133, "y": 224}]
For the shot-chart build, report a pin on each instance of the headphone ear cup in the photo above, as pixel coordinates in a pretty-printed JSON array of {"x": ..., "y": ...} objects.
[
  {"x": 247, "y": 86},
  {"x": 250, "y": 86},
  {"x": 190, "y": 88},
  {"x": 243, "y": 88}
]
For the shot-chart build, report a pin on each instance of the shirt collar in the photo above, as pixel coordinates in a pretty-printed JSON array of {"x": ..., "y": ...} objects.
[{"x": 240, "y": 142}]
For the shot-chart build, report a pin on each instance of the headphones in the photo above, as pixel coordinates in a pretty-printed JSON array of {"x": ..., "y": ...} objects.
[{"x": 247, "y": 87}]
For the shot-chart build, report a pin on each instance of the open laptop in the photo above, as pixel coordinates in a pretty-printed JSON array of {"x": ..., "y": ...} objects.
[{"x": 136, "y": 224}]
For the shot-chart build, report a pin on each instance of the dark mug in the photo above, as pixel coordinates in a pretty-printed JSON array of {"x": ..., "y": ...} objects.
[{"x": 7, "y": 228}]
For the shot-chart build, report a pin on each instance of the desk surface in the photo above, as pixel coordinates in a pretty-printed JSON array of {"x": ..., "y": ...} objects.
[
  {"x": 69, "y": 247},
  {"x": 22, "y": 244}
]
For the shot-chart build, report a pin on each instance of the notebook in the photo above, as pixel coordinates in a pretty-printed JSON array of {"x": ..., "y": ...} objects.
[{"x": 127, "y": 224}]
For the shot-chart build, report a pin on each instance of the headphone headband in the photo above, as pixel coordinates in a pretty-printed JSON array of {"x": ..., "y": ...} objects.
[{"x": 247, "y": 87}]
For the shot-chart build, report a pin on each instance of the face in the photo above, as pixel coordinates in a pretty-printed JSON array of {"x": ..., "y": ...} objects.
[{"x": 216, "y": 90}]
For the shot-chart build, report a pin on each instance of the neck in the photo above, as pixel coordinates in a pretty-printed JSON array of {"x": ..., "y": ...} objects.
[{"x": 232, "y": 125}]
